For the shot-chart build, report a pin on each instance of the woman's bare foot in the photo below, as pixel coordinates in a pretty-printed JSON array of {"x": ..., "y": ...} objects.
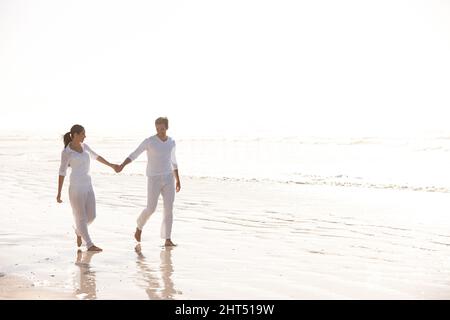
[
  {"x": 79, "y": 242},
  {"x": 137, "y": 235},
  {"x": 79, "y": 255},
  {"x": 94, "y": 248},
  {"x": 169, "y": 243}
]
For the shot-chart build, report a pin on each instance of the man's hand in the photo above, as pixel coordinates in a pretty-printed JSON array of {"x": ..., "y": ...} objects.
[
  {"x": 58, "y": 198},
  {"x": 118, "y": 168}
]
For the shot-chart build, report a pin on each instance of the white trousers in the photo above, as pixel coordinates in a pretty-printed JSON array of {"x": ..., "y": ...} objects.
[
  {"x": 82, "y": 200},
  {"x": 159, "y": 185}
]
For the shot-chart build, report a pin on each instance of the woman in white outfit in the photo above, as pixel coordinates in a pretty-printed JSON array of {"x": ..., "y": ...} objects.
[{"x": 76, "y": 155}]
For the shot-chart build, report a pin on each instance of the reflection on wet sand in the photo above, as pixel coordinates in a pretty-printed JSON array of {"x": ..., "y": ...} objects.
[
  {"x": 85, "y": 288},
  {"x": 158, "y": 285}
]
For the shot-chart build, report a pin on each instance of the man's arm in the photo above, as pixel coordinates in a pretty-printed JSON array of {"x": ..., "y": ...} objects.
[
  {"x": 173, "y": 160},
  {"x": 177, "y": 178},
  {"x": 134, "y": 155},
  {"x": 124, "y": 163}
]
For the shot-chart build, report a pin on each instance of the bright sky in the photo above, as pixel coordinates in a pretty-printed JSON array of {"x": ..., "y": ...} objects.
[{"x": 235, "y": 67}]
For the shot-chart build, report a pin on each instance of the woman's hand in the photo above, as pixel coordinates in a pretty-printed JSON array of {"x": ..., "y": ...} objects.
[
  {"x": 178, "y": 186},
  {"x": 58, "y": 198}
]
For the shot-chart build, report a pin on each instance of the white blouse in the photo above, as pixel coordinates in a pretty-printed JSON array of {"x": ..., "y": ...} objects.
[
  {"x": 79, "y": 162},
  {"x": 160, "y": 155}
]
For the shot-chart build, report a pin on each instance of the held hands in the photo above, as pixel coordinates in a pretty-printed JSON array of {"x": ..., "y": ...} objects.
[{"x": 117, "y": 168}]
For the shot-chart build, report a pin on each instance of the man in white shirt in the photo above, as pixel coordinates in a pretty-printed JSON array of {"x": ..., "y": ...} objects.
[{"x": 161, "y": 169}]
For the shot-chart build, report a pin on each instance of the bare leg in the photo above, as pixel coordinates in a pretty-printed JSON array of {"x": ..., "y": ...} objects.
[
  {"x": 79, "y": 242},
  {"x": 137, "y": 235}
]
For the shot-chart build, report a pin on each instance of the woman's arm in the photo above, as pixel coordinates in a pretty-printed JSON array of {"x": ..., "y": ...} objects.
[
  {"x": 94, "y": 155},
  {"x": 62, "y": 173},
  {"x": 60, "y": 185},
  {"x": 102, "y": 160}
]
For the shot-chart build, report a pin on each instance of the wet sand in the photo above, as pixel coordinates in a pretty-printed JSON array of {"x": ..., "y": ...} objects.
[{"x": 236, "y": 240}]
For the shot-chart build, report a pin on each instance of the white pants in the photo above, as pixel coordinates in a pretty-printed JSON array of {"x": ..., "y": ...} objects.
[
  {"x": 82, "y": 200},
  {"x": 156, "y": 185}
]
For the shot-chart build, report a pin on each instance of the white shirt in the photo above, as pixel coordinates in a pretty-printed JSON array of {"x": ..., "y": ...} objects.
[
  {"x": 160, "y": 155},
  {"x": 79, "y": 162}
]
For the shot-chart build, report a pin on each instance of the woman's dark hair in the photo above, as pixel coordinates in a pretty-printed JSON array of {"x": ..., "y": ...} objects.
[{"x": 69, "y": 135}]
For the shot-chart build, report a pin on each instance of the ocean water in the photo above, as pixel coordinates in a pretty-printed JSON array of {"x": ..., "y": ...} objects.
[
  {"x": 415, "y": 164},
  {"x": 419, "y": 164}
]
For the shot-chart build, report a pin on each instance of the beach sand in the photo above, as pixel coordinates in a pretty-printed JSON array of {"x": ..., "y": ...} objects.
[{"x": 236, "y": 240}]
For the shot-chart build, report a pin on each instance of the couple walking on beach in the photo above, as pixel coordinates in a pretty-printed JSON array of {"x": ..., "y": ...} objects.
[{"x": 162, "y": 178}]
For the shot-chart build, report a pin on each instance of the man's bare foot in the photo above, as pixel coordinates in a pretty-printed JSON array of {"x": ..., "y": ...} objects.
[
  {"x": 79, "y": 242},
  {"x": 137, "y": 235},
  {"x": 169, "y": 243},
  {"x": 94, "y": 248},
  {"x": 138, "y": 250}
]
